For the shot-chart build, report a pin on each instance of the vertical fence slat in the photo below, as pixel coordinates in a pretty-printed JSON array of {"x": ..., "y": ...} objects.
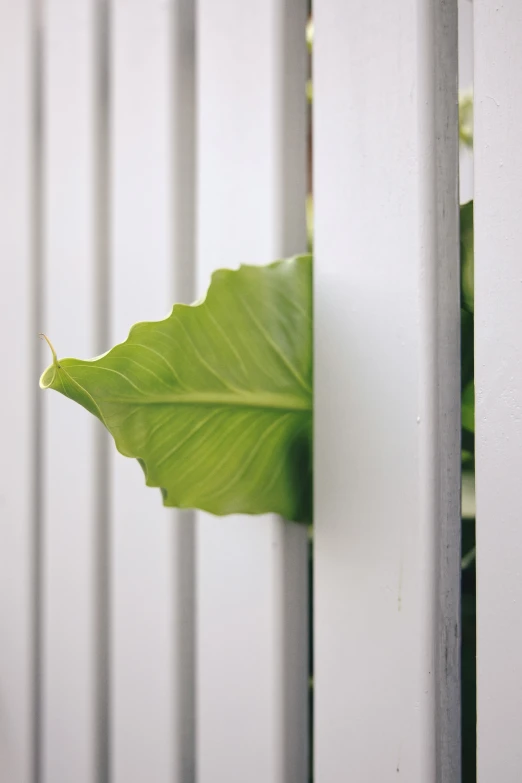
[
  {"x": 251, "y": 661},
  {"x": 18, "y": 394},
  {"x": 498, "y": 385},
  {"x": 150, "y": 595},
  {"x": 465, "y": 84},
  {"x": 387, "y": 454},
  {"x": 183, "y": 135},
  {"x": 70, "y": 576}
]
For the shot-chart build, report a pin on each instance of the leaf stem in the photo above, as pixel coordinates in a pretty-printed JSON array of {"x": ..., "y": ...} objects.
[{"x": 51, "y": 346}]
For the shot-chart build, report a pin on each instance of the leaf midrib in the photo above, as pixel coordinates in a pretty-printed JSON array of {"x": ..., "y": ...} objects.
[{"x": 275, "y": 402}]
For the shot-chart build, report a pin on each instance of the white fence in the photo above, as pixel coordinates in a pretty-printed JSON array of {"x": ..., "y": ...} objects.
[{"x": 143, "y": 144}]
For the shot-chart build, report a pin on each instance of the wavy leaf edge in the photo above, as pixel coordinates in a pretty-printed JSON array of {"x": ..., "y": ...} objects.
[{"x": 48, "y": 376}]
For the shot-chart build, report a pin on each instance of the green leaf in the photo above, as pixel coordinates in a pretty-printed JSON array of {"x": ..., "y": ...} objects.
[
  {"x": 467, "y": 256},
  {"x": 467, "y": 322},
  {"x": 468, "y": 407},
  {"x": 466, "y": 118},
  {"x": 215, "y": 401},
  {"x": 467, "y": 348}
]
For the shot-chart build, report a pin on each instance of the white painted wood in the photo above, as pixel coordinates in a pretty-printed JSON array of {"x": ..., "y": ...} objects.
[
  {"x": 498, "y": 384},
  {"x": 466, "y": 83},
  {"x": 251, "y": 571},
  {"x": 69, "y": 469},
  {"x": 387, "y": 452},
  {"x": 465, "y": 44},
  {"x": 151, "y": 597},
  {"x": 18, "y": 400}
]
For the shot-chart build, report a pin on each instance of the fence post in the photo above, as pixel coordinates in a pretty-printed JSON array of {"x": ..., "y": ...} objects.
[
  {"x": 20, "y": 256},
  {"x": 498, "y": 386},
  {"x": 387, "y": 430},
  {"x": 152, "y": 264},
  {"x": 251, "y": 571},
  {"x": 71, "y": 578}
]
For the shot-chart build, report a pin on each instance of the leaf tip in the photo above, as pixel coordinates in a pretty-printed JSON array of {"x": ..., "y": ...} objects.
[
  {"x": 43, "y": 336},
  {"x": 47, "y": 377}
]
